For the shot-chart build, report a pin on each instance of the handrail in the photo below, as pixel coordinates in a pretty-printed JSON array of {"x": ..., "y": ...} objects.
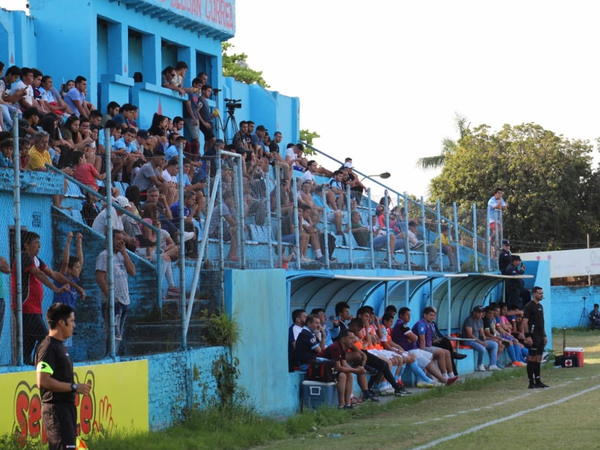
[
  {"x": 103, "y": 198},
  {"x": 408, "y": 200}
]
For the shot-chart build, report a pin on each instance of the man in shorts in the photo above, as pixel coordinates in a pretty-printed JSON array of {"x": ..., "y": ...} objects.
[
  {"x": 535, "y": 337},
  {"x": 205, "y": 118},
  {"x": 55, "y": 378}
]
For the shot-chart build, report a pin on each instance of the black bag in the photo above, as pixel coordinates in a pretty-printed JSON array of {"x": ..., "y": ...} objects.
[
  {"x": 323, "y": 371},
  {"x": 566, "y": 361}
]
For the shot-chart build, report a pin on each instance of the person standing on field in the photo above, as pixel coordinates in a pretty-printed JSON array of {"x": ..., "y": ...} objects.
[
  {"x": 56, "y": 379},
  {"x": 535, "y": 337}
]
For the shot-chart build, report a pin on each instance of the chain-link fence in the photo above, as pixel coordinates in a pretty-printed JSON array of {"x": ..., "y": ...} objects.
[{"x": 167, "y": 276}]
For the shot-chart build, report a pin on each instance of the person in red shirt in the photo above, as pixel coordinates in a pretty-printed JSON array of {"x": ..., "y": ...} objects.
[
  {"x": 34, "y": 274},
  {"x": 345, "y": 380}
]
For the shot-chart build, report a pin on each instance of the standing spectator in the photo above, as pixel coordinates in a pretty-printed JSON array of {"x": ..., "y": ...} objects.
[
  {"x": 56, "y": 381},
  {"x": 516, "y": 294},
  {"x": 70, "y": 267},
  {"x": 205, "y": 118},
  {"x": 34, "y": 273},
  {"x": 191, "y": 118},
  {"x": 496, "y": 205},
  {"x": 75, "y": 98},
  {"x": 169, "y": 75},
  {"x": 472, "y": 329},
  {"x": 122, "y": 267},
  {"x": 505, "y": 257},
  {"x": 4, "y": 269},
  {"x": 535, "y": 337}
]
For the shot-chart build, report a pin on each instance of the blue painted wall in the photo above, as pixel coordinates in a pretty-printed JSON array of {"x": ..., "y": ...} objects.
[
  {"x": 257, "y": 300},
  {"x": 567, "y": 304}
]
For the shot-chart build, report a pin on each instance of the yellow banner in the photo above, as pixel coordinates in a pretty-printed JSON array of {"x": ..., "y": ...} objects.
[{"x": 118, "y": 399}]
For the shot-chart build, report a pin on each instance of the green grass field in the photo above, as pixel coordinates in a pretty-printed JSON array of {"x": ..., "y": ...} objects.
[
  {"x": 498, "y": 415},
  {"x": 496, "y": 412}
]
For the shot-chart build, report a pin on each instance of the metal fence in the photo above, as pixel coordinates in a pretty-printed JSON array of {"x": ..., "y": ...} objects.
[{"x": 255, "y": 218}]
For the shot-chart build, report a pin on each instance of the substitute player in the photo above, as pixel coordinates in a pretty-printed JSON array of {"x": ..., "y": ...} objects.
[
  {"x": 55, "y": 379},
  {"x": 535, "y": 337}
]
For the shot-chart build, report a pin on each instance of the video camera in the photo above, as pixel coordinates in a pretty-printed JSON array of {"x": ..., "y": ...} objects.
[{"x": 232, "y": 104}]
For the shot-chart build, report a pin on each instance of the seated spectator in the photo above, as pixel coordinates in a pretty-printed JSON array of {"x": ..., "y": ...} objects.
[
  {"x": 28, "y": 124},
  {"x": 422, "y": 328},
  {"x": 150, "y": 175},
  {"x": 127, "y": 151},
  {"x": 379, "y": 365},
  {"x": 6, "y": 153},
  {"x": 294, "y": 156},
  {"x": 227, "y": 222},
  {"x": 85, "y": 172},
  {"x": 24, "y": 147},
  {"x": 361, "y": 235},
  {"x": 309, "y": 343},
  {"x": 288, "y": 234},
  {"x": 415, "y": 243},
  {"x": 7, "y": 98},
  {"x": 242, "y": 140},
  {"x": 492, "y": 323},
  {"x": 52, "y": 99},
  {"x": 89, "y": 209},
  {"x": 344, "y": 372},
  {"x": 154, "y": 197},
  {"x": 313, "y": 234},
  {"x": 158, "y": 129},
  {"x": 112, "y": 109},
  {"x": 66, "y": 87},
  {"x": 124, "y": 118},
  {"x": 472, "y": 329},
  {"x": 189, "y": 210},
  {"x": 75, "y": 98},
  {"x": 175, "y": 142},
  {"x": 72, "y": 134},
  {"x": 404, "y": 336},
  {"x": 447, "y": 248},
  {"x": 439, "y": 340},
  {"x": 26, "y": 100},
  {"x": 37, "y": 95},
  {"x": 594, "y": 313},
  {"x": 352, "y": 180},
  {"x": 38, "y": 154}
]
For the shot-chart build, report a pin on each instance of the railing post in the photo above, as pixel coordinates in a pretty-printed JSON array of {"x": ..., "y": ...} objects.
[
  {"x": 241, "y": 222},
  {"x": 325, "y": 230},
  {"x": 489, "y": 238},
  {"x": 17, "y": 210},
  {"x": 220, "y": 220},
  {"x": 388, "y": 231},
  {"x": 456, "y": 236},
  {"x": 350, "y": 240},
  {"x": 475, "y": 237},
  {"x": 269, "y": 224},
  {"x": 370, "y": 227},
  {"x": 439, "y": 234},
  {"x": 296, "y": 223},
  {"x": 182, "y": 307},
  {"x": 279, "y": 218},
  {"x": 109, "y": 243}
]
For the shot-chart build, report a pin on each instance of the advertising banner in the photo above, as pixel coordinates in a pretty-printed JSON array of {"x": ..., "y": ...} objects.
[{"x": 118, "y": 399}]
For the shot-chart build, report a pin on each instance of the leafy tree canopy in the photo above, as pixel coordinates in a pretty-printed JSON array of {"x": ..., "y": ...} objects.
[
  {"x": 236, "y": 66},
  {"x": 547, "y": 179}
]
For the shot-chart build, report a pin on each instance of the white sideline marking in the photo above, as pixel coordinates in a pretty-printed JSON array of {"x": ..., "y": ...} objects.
[{"x": 504, "y": 419}]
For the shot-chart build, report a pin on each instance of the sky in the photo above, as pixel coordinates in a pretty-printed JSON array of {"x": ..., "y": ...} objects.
[{"x": 382, "y": 81}]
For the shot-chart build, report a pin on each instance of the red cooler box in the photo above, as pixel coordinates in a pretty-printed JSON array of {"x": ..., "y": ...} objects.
[{"x": 575, "y": 351}]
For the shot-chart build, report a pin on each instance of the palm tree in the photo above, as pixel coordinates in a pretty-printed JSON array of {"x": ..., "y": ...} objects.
[{"x": 448, "y": 146}]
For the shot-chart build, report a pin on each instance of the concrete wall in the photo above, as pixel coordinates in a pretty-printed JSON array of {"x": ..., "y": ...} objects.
[
  {"x": 567, "y": 305},
  {"x": 258, "y": 302}
]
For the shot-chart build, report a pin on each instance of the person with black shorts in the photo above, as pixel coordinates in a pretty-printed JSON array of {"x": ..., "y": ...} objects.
[
  {"x": 56, "y": 380},
  {"x": 535, "y": 337},
  {"x": 205, "y": 117}
]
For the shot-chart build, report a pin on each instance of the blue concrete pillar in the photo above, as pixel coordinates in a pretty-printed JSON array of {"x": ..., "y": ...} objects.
[
  {"x": 118, "y": 47},
  {"x": 185, "y": 54},
  {"x": 151, "y": 54}
]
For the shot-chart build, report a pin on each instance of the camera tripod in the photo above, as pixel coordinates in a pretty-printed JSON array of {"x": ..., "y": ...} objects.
[
  {"x": 584, "y": 319},
  {"x": 230, "y": 123}
]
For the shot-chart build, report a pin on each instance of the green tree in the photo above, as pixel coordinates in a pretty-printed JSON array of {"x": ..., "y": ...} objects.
[
  {"x": 448, "y": 146},
  {"x": 236, "y": 66},
  {"x": 547, "y": 181}
]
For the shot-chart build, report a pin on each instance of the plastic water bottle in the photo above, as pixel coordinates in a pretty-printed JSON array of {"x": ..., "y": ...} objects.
[{"x": 335, "y": 435}]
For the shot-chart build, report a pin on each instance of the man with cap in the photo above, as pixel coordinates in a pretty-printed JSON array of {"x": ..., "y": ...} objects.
[
  {"x": 514, "y": 290},
  {"x": 472, "y": 329},
  {"x": 535, "y": 337},
  {"x": 505, "y": 256},
  {"x": 256, "y": 141}
]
